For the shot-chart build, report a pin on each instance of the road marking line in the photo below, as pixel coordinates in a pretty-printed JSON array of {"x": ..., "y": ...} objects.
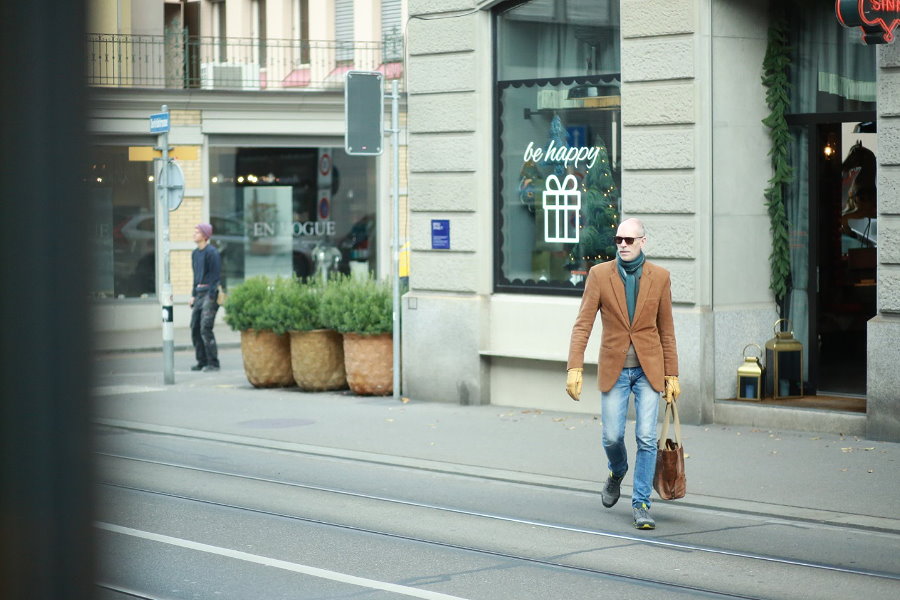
[
  {"x": 278, "y": 564},
  {"x": 114, "y": 390}
]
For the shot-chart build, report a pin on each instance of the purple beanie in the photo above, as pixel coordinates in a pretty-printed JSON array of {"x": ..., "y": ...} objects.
[{"x": 205, "y": 229}]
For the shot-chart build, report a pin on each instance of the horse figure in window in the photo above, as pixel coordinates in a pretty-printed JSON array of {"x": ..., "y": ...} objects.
[{"x": 859, "y": 187}]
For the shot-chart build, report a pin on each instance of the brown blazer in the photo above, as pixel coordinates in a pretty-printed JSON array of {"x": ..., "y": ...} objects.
[{"x": 652, "y": 332}]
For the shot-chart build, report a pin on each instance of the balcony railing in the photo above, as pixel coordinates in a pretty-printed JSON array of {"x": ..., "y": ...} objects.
[{"x": 179, "y": 61}]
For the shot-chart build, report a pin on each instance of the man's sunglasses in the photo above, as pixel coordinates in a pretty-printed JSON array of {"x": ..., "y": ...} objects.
[{"x": 627, "y": 240}]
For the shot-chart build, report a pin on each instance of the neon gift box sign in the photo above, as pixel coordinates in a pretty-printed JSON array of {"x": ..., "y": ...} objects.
[
  {"x": 876, "y": 18},
  {"x": 562, "y": 206}
]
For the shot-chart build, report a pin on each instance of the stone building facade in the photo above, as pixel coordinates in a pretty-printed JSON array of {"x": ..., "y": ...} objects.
[{"x": 694, "y": 165}]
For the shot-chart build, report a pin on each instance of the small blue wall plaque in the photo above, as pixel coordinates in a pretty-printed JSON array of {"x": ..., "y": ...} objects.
[{"x": 440, "y": 234}]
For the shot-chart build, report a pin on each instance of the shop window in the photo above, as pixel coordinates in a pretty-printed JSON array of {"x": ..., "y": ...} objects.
[
  {"x": 831, "y": 69},
  {"x": 831, "y": 201},
  {"x": 123, "y": 224},
  {"x": 292, "y": 211},
  {"x": 558, "y": 174}
]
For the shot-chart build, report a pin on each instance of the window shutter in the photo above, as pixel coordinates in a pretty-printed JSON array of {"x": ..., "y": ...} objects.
[
  {"x": 391, "y": 30},
  {"x": 343, "y": 28}
]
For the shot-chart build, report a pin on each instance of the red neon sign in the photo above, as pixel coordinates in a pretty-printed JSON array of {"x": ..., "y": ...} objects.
[{"x": 876, "y": 18}]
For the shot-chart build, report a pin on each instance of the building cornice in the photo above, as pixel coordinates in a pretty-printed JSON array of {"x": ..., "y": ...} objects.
[
  {"x": 100, "y": 99},
  {"x": 150, "y": 100}
]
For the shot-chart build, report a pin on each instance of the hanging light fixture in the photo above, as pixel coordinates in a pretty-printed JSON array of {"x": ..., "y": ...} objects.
[{"x": 830, "y": 149}]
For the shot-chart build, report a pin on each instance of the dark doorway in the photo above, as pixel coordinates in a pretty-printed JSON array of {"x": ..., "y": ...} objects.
[{"x": 843, "y": 238}]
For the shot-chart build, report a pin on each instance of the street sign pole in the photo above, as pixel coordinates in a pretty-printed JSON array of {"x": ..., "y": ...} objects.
[
  {"x": 364, "y": 123},
  {"x": 165, "y": 288},
  {"x": 395, "y": 244}
]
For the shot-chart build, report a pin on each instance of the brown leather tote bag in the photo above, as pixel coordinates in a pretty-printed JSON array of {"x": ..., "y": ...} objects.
[{"x": 670, "y": 481}]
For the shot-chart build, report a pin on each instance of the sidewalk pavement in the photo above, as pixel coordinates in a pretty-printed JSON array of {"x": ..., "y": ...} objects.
[
  {"x": 792, "y": 476},
  {"x": 148, "y": 340}
]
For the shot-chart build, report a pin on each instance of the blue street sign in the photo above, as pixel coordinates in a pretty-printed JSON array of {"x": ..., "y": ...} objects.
[
  {"x": 159, "y": 123},
  {"x": 440, "y": 234}
]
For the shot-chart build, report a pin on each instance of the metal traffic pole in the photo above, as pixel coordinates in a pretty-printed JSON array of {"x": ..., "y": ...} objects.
[
  {"x": 165, "y": 288},
  {"x": 395, "y": 245}
]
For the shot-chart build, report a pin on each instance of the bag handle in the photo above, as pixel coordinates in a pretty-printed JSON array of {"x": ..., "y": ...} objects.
[{"x": 672, "y": 408}]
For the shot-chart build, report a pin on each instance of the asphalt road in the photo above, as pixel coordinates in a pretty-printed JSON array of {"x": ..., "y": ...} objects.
[{"x": 185, "y": 511}]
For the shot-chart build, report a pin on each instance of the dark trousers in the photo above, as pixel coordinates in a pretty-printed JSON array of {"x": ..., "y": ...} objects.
[{"x": 203, "y": 317}]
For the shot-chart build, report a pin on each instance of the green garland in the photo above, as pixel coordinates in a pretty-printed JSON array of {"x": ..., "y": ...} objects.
[{"x": 775, "y": 79}]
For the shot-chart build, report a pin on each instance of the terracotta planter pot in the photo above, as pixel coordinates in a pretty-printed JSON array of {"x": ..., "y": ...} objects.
[
  {"x": 267, "y": 358},
  {"x": 370, "y": 363},
  {"x": 317, "y": 358}
]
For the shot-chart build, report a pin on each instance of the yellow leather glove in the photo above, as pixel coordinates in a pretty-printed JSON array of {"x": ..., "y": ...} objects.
[
  {"x": 673, "y": 390},
  {"x": 573, "y": 383}
]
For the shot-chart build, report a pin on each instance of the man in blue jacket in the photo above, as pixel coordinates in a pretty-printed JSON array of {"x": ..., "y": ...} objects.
[{"x": 204, "y": 299}]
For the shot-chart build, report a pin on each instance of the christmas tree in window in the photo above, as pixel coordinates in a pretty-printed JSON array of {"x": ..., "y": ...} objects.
[{"x": 599, "y": 214}]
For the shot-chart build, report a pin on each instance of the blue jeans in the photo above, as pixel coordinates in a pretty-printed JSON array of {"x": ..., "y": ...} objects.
[{"x": 614, "y": 405}]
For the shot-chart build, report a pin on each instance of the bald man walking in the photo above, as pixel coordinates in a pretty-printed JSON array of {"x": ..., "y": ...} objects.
[{"x": 637, "y": 356}]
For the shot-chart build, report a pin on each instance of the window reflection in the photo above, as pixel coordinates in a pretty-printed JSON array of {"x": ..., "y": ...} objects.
[
  {"x": 123, "y": 230},
  {"x": 284, "y": 211}
]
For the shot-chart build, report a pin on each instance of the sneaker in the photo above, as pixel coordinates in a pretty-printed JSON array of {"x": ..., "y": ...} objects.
[
  {"x": 642, "y": 518},
  {"x": 610, "y": 493},
  {"x": 210, "y": 368},
  {"x": 197, "y": 367}
]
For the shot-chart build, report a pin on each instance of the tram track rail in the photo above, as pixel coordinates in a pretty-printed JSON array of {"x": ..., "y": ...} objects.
[
  {"x": 777, "y": 513},
  {"x": 660, "y": 584},
  {"x": 634, "y": 539},
  {"x": 125, "y": 592}
]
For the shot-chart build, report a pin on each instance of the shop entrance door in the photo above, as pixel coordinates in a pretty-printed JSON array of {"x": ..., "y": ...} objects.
[{"x": 843, "y": 232}]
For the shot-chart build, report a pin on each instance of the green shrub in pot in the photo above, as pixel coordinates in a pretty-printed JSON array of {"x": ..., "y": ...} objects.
[
  {"x": 358, "y": 306},
  {"x": 317, "y": 353},
  {"x": 295, "y": 306},
  {"x": 363, "y": 312},
  {"x": 266, "y": 353},
  {"x": 247, "y": 303}
]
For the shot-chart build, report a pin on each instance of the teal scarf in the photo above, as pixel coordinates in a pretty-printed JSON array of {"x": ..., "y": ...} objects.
[{"x": 630, "y": 272}]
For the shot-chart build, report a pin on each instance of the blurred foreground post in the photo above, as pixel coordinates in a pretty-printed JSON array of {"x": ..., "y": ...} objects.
[{"x": 45, "y": 354}]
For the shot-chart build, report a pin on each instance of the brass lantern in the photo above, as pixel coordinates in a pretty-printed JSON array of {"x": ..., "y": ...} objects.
[
  {"x": 784, "y": 365},
  {"x": 750, "y": 376}
]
